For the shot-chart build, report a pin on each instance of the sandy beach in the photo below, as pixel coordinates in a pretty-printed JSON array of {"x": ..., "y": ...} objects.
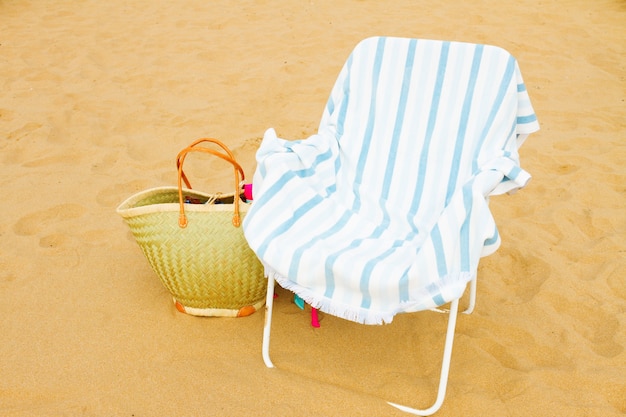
[{"x": 97, "y": 99}]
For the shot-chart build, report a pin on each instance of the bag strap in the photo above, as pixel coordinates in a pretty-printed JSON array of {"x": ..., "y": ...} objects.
[
  {"x": 227, "y": 156},
  {"x": 231, "y": 158}
]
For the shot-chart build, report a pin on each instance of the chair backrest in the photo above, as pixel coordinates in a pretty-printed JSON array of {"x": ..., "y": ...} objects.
[{"x": 416, "y": 120}]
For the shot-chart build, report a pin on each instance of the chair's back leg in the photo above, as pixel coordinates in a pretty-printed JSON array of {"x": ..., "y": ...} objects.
[
  {"x": 445, "y": 367},
  {"x": 472, "y": 297},
  {"x": 269, "y": 305}
]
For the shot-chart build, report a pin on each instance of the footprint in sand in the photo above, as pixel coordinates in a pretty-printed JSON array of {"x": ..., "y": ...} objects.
[
  {"x": 36, "y": 222},
  {"x": 106, "y": 163},
  {"x": 598, "y": 326},
  {"x": 55, "y": 229},
  {"x": 55, "y": 240},
  {"x": 616, "y": 277},
  {"x": 6, "y": 115},
  {"x": 534, "y": 270},
  {"x": 60, "y": 159},
  {"x": 487, "y": 334},
  {"x": 18, "y": 134}
]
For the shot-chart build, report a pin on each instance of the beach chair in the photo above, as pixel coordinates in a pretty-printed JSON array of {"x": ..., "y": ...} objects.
[{"x": 385, "y": 209}]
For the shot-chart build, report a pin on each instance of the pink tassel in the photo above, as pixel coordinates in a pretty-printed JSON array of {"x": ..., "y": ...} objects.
[{"x": 314, "y": 319}]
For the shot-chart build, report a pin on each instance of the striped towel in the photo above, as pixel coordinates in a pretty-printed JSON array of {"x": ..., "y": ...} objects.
[{"x": 385, "y": 209}]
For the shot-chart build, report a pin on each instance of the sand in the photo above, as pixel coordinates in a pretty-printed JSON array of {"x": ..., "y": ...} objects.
[{"x": 97, "y": 98}]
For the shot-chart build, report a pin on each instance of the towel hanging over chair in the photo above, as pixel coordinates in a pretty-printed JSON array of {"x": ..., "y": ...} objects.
[{"x": 385, "y": 209}]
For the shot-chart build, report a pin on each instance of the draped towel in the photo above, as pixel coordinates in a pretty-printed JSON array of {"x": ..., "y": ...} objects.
[{"x": 385, "y": 209}]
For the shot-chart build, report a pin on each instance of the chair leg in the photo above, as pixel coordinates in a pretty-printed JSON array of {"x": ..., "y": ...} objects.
[
  {"x": 471, "y": 304},
  {"x": 472, "y": 297},
  {"x": 445, "y": 367},
  {"x": 269, "y": 305}
]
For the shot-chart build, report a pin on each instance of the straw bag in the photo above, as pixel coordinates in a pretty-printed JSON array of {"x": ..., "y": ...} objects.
[{"x": 194, "y": 242}]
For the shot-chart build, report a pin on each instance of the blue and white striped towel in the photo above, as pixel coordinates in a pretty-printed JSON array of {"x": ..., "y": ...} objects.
[{"x": 384, "y": 210}]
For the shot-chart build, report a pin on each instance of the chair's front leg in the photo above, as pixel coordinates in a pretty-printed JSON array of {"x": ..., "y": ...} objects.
[
  {"x": 445, "y": 367},
  {"x": 269, "y": 305}
]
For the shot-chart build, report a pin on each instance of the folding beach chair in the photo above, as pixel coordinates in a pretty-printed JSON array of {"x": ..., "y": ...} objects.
[{"x": 385, "y": 209}]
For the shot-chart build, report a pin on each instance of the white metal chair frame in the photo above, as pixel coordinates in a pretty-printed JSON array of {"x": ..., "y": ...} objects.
[{"x": 447, "y": 352}]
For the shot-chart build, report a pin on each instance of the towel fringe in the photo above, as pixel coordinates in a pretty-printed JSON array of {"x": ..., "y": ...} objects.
[
  {"x": 455, "y": 288},
  {"x": 358, "y": 315}
]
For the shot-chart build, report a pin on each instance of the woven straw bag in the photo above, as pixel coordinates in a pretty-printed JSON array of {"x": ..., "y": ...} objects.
[{"x": 194, "y": 242}]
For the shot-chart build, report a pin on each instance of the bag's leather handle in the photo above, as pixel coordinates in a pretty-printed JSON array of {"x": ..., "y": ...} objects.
[{"x": 228, "y": 156}]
